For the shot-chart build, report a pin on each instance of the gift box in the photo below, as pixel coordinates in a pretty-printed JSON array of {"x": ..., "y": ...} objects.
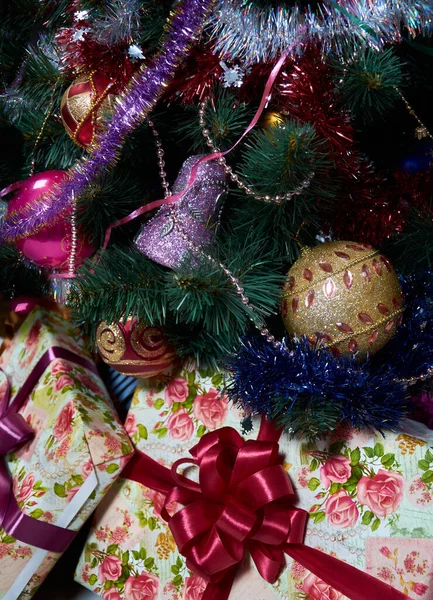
[
  {"x": 367, "y": 500},
  {"x": 76, "y": 449}
]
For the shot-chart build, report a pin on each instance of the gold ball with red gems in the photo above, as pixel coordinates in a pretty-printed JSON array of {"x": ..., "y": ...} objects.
[
  {"x": 345, "y": 296},
  {"x": 82, "y": 105},
  {"x": 134, "y": 349}
]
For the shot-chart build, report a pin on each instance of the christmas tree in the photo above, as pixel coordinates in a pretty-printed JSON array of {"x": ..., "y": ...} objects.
[{"x": 241, "y": 185}]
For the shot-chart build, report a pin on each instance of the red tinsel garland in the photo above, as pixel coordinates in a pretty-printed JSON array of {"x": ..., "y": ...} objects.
[
  {"x": 85, "y": 54},
  {"x": 370, "y": 206},
  {"x": 197, "y": 78}
]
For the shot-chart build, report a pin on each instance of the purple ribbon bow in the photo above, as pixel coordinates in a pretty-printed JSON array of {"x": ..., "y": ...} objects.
[{"x": 15, "y": 431}]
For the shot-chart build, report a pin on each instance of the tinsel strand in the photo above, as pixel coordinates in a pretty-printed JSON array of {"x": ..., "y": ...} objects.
[{"x": 245, "y": 31}]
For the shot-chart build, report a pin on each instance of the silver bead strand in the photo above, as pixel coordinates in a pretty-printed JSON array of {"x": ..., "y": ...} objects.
[
  {"x": 264, "y": 331},
  {"x": 277, "y": 199},
  {"x": 161, "y": 162}
]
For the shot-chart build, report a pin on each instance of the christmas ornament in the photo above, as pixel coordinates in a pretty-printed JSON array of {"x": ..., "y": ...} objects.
[
  {"x": 271, "y": 119},
  {"x": 51, "y": 245},
  {"x": 190, "y": 224},
  {"x": 134, "y": 348},
  {"x": 345, "y": 296},
  {"x": 81, "y": 105}
]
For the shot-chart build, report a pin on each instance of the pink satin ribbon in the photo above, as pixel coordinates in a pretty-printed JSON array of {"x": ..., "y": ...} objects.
[
  {"x": 10, "y": 188},
  {"x": 15, "y": 431},
  {"x": 216, "y": 155},
  {"x": 243, "y": 503}
]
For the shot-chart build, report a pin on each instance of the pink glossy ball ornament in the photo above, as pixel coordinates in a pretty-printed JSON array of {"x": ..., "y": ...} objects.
[{"x": 50, "y": 247}]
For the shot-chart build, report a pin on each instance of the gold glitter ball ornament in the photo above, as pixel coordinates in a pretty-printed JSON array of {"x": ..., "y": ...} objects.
[{"x": 344, "y": 295}]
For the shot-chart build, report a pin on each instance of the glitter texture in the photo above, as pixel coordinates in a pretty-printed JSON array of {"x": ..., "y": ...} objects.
[
  {"x": 329, "y": 297},
  {"x": 253, "y": 34},
  {"x": 134, "y": 349},
  {"x": 190, "y": 223},
  {"x": 131, "y": 109}
]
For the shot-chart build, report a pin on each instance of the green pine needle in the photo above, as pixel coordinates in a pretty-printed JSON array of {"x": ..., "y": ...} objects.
[
  {"x": 18, "y": 276},
  {"x": 203, "y": 294},
  {"x": 304, "y": 420},
  {"x": 204, "y": 350},
  {"x": 275, "y": 225},
  {"x": 117, "y": 195},
  {"x": 412, "y": 250},
  {"x": 43, "y": 82},
  {"x": 124, "y": 282},
  {"x": 368, "y": 86},
  {"x": 154, "y": 15},
  {"x": 226, "y": 120},
  {"x": 278, "y": 160}
]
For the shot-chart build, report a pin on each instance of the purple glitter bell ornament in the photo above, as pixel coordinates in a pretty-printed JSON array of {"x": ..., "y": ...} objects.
[{"x": 189, "y": 224}]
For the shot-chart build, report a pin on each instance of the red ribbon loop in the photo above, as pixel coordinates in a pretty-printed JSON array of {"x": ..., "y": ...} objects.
[{"x": 243, "y": 503}]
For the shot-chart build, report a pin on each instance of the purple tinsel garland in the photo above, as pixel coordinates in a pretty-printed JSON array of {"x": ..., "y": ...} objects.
[{"x": 131, "y": 109}]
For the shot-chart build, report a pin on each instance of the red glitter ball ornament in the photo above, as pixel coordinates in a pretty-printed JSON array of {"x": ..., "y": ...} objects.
[{"x": 82, "y": 104}]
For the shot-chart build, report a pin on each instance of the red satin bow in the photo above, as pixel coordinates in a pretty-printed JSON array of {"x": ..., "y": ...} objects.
[{"x": 243, "y": 503}]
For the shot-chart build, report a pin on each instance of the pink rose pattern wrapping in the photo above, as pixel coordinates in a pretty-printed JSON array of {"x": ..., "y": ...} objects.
[
  {"x": 76, "y": 432},
  {"x": 357, "y": 487},
  {"x": 404, "y": 563}
]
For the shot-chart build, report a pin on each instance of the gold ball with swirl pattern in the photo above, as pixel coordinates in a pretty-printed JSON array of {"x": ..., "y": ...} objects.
[{"x": 133, "y": 348}]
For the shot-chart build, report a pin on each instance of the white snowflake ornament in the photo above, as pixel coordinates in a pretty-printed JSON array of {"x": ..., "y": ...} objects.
[
  {"x": 135, "y": 52},
  {"x": 232, "y": 76}
]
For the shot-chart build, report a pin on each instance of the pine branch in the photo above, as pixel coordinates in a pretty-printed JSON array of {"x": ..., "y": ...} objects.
[
  {"x": 43, "y": 82},
  {"x": 226, "y": 120},
  {"x": 278, "y": 160},
  {"x": 117, "y": 195},
  {"x": 275, "y": 226},
  {"x": 19, "y": 276},
  {"x": 368, "y": 86},
  {"x": 124, "y": 282},
  {"x": 412, "y": 250}
]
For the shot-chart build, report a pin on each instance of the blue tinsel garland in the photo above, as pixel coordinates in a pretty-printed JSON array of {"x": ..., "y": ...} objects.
[{"x": 309, "y": 391}]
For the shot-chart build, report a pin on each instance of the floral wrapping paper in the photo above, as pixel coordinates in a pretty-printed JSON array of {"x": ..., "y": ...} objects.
[
  {"x": 78, "y": 437},
  {"x": 370, "y": 499}
]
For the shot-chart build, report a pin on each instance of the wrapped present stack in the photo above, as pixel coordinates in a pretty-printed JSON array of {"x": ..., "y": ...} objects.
[
  {"x": 229, "y": 204},
  {"x": 368, "y": 500},
  {"x": 77, "y": 445}
]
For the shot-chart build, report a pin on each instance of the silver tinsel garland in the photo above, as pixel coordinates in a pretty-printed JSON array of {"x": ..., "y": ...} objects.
[{"x": 243, "y": 30}]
